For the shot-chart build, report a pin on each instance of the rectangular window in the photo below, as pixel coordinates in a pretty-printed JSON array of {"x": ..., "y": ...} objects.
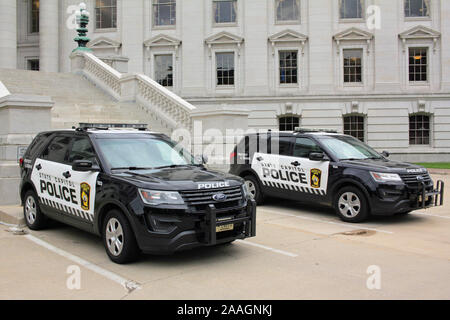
[
  {"x": 33, "y": 64},
  {"x": 164, "y": 70},
  {"x": 418, "y": 64},
  {"x": 351, "y": 9},
  {"x": 57, "y": 150},
  {"x": 289, "y": 123},
  {"x": 353, "y": 65},
  {"x": 304, "y": 146},
  {"x": 287, "y": 10},
  {"x": 225, "y": 11},
  {"x": 419, "y": 130},
  {"x": 34, "y": 16},
  {"x": 164, "y": 12},
  {"x": 106, "y": 14},
  {"x": 288, "y": 67},
  {"x": 417, "y": 8},
  {"x": 354, "y": 126},
  {"x": 225, "y": 68}
]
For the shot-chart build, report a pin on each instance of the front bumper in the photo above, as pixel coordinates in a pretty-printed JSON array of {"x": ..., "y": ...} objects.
[
  {"x": 171, "y": 232},
  {"x": 422, "y": 196}
]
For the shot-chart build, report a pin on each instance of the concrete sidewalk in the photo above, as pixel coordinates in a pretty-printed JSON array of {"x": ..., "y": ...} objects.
[{"x": 12, "y": 215}]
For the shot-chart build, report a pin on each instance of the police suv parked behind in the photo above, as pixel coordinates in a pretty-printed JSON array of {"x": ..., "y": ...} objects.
[
  {"x": 134, "y": 188},
  {"x": 334, "y": 169}
]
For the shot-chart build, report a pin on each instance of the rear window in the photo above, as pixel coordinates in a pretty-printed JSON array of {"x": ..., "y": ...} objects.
[{"x": 36, "y": 145}]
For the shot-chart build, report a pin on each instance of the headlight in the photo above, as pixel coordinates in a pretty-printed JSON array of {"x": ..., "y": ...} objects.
[
  {"x": 385, "y": 177},
  {"x": 245, "y": 191},
  {"x": 155, "y": 198}
]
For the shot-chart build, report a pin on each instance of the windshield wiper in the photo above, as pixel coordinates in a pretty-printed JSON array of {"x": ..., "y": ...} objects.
[
  {"x": 132, "y": 168},
  {"x": 173, "y": 166}
]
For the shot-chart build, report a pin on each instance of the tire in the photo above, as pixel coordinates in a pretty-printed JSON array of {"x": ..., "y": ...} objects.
[
  {"x": 119, "y": 239},
  {"x": 254, "y": 189},
  {"x": 351, "y": 205},
  {"x": 34, "y": 218}
]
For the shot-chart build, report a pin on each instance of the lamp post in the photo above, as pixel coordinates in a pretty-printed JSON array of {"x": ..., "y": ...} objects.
[{"x": 82, "y": 17}]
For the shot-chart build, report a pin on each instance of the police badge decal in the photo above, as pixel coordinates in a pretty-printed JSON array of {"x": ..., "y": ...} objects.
[
  {"x": 85, "y": 191},
  {"x": 316, "y": 175}
]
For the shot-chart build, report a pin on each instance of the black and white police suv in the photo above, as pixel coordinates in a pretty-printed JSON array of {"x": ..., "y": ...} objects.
[
  {"x": 333, "y": 169},
  {"x": 135, "y": 188}
]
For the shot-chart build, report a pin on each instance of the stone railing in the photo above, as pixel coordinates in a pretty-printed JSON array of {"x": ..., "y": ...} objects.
[{"x": 172, "y": 109}]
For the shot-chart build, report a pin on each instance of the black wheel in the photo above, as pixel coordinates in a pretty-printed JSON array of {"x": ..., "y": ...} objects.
[
  {"x": 351, "y": 205},
  {"x": 118, "y": 238},
  {"x": 34, "y": 218},
  {"x": 254, "y": 189}
]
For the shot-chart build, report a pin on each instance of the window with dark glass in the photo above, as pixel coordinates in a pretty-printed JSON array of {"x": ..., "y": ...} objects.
[
  {"x": 351, "y": 9},
  {"x": 57, "y": 150},
  {"x": 417, "y": 8},
  {"x": 353, "y": 65},
  {"x": 225, "y": 11},
  {"x": 418, "y": 64},
  {"x": 280, "y": 145},
  {"x": 82, "y": 150},
  {"x": 164, "y": 12},
  {"x": 33, "y": 64},
  {"x": 164, "y": 70},
  {"x": 354, "y": 126},
  {"x": 289, "y": 123},
  {"x": 304, "y": 146},
  {"x": 419, "y": 129},
  {"x": 225, "y": 68},
  {"x": 106, "y": 14},
  {"x": 287, "y": 10},
  {"x": 34, "y": 16},
  {"x": 288, "y": 67}
]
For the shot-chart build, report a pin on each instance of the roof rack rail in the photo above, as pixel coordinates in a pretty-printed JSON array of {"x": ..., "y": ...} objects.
[
  {"x": 307, "y": 130},
  {"x": 106, "y": 126}
]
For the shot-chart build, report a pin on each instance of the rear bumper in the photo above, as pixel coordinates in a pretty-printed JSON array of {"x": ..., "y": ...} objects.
[
  {"x": 188, "y": 232},
  {"x": 423, "y": 197}
]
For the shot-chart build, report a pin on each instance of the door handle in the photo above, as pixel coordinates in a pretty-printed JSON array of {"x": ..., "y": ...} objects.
[
  {"x": 260, "y": 158},
  {"x": 67, "y": 175},
  {"x": 295, "y": 163},
  {"x": 39, "y": 167}
]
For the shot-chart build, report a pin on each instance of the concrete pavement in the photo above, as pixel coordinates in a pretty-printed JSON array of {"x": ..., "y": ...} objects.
[{"x": 300, "y": 252}]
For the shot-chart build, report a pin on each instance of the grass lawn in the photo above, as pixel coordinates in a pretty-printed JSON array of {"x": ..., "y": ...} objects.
[{"x": 436, "y": 165}]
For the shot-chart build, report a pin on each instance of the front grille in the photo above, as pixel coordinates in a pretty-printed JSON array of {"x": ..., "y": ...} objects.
[
  {"x": 412, "y": 178},
  {"x": 201, "y": 199}
]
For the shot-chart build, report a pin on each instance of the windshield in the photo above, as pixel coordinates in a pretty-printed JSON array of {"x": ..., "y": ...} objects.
[
  {"x": 146, "y": 153},
  {"x": 349, "y": 148}
]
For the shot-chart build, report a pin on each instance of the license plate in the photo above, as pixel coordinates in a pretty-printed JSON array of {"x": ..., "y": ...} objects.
[{"x": 225, "y": 227}]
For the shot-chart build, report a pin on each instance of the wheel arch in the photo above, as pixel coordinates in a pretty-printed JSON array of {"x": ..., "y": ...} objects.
[
  {"x": 27, "y": 186},
  {"x": 104, "y": 209}
]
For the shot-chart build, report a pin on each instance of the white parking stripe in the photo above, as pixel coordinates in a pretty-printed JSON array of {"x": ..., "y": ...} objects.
[
  {"x": 127, "y": 284},
  {"x": 292, "y": 255},
  {"x": 355, "y": 227}
]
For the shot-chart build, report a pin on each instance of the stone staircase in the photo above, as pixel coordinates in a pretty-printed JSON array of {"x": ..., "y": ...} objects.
[{"x": 78, "y": 100}]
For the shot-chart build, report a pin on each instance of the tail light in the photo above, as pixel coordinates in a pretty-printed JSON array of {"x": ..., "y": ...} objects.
[
  {"x": 21, "y": 162},
  {"x": 232, "y": 156}
]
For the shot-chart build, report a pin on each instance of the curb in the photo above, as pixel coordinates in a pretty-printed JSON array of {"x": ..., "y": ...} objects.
[{"x": 10, "y": 219}]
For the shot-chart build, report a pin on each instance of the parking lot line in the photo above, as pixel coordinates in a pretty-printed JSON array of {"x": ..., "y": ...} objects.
[
  {"x": 330, "y": 222},
  {"x": 129, "y": 285},
  {"x": 289, "y": 254}
]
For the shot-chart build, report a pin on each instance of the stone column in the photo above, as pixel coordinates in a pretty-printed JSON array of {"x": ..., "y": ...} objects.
[
  {"x": 49, "y": 35},
  {"x": 8, "y": 34}
]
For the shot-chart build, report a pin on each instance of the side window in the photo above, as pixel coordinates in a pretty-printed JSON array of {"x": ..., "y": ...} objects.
[
  {"x": 37, "y": 143},
  {"x": 304, "y": 146},
  {"x": 82, "y": 150},
  {"x": 280, "y": 145},
  {"x": 56, "y": 151}
]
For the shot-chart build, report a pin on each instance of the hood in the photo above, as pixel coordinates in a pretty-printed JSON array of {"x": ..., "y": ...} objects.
[
  {"x": 180, "y": 178},
  {"x": 384, "y": 165}
]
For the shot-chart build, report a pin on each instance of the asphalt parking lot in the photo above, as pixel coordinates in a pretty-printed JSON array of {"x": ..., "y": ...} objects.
[{"x": 300, "y": 252}]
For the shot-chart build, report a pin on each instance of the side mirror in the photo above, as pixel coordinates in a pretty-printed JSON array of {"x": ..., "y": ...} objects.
[
  {"x": 385, "y": 154},
  {"x": 84, "y": 166},
  {"x": 201, "y": 159},
  {"x": 317, "y": 156}
]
